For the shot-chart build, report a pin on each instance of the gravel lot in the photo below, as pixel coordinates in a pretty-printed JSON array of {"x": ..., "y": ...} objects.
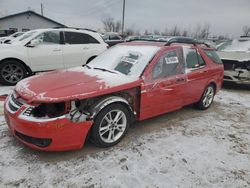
[{"x": 186, "y": 148}]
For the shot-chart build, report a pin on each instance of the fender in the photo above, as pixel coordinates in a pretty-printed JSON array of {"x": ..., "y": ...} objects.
[{"x": 105, "y": 102}]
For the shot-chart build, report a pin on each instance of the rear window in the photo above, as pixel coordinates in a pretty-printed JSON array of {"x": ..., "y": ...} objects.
[
  {"x": 79, "y": 38},
  {"x": 213, "y": 56}
]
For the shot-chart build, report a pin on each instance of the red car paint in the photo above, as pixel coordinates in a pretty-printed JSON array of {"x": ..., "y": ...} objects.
[
  {"x": 65, "y": 135},
  {"x": 155, "y": 97}
]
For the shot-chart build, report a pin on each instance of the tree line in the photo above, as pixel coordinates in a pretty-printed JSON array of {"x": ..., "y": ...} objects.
[{"x": 200, "y": 31}]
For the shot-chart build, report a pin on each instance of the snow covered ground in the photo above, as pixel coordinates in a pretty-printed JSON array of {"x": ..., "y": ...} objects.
[{"x": 187, "y": 148}]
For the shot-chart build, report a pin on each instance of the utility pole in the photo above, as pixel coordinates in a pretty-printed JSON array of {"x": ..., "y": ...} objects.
[
  {"x": 123, "y": 15},
  {"x": 41, "y": 9}
]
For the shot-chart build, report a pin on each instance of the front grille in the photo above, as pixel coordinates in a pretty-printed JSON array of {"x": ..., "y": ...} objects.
[
  {"x": 14, "y": 104},
  {"x": 40, "y": 142}
]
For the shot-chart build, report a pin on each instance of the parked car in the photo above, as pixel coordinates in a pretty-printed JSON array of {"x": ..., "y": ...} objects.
[
  {"x": 112, "y": 38},
  {"x": 11, "y": 37},
  {"x": 6, "y": 32},
  {"x": 47, "y": 49},
  {"x": 130, "y": 81},
  {"x": 235, "y": 55}
]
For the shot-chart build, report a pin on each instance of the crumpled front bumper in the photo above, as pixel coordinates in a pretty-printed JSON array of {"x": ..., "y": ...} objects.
[
  {"x": 238, "y": 76},
  {"x": 57, "y": 135}
]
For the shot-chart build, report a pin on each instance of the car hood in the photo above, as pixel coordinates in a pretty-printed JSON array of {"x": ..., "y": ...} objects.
[
  {"x": 4, "y": 46},
  {"x": 234, "y": 55},
  {"x": 72, "y": 84}
]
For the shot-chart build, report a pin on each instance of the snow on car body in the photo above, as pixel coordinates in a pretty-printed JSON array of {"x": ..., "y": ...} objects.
[
  {"x": 236, "y": 59},
  {"x": 131, "y": 81}
]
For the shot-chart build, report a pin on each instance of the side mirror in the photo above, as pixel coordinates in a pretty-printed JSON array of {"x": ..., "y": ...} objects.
[{"x": 34, "y": 43}]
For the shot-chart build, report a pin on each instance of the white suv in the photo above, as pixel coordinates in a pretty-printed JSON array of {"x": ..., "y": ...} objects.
[{"x": 48, "y": 49}]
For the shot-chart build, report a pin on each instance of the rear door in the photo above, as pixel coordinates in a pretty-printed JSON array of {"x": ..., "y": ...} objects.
[
  {"x": 78, "y": 48},
  {"x": 162, "y": 90},
  {"x": 197, "y": 75}
]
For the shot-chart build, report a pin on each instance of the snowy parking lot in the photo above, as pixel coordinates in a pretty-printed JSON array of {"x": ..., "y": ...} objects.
[{"x": 186, "y": 148}]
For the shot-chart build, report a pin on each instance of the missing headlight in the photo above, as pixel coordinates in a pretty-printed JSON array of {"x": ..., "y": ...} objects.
[
  {"x": 79, "y": 111},
  {"x": 50, "y": 110}
]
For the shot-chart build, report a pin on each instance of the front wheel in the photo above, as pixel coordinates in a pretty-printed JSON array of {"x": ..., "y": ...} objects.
[
  {"x": 207, "y": 98},
  {"x": 110, "y": 125},
  {"x": 11, "y": 72}
]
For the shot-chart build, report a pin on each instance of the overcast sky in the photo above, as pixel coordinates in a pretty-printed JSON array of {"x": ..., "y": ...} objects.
[{"x": 224, "y": 16}]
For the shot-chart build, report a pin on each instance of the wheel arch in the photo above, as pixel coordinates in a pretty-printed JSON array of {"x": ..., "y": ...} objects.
[
  {"x": 28, "y": 69},
  {"x": 101, "y": 104},
  {"x": 214, "y": 85}
]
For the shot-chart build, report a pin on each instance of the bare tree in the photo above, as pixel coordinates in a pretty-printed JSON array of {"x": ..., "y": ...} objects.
[
  {"x": 184, "y": 33},
  {"x": 118, "y": 26},
  {"x": 246, "y": 30},
  {"x": 137, "y": 32},
  {"x": 196, "y": 32},
  {"x": 204, "y": 33},
  {"x": 165, "y": 32},
  {"x": 129, "y": 32},
  {"x": 156, "y": 32},
  {"x": 108, "y": 24},
  {"x": 201, "y": 32},
  {"x": 175, "y": 31},
  {"x": 146, "y": 32}
]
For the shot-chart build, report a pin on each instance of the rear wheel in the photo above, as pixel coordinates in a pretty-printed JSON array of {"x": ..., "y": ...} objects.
[
  {"x": 110, "y": 125},
  {"x": 11, "y": 72},
  {"x": 207, "y": 98}
]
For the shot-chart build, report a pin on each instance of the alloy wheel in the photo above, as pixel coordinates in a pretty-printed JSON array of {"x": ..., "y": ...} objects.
[
  {"x": 12, "y": 73},
  {"x": 113, "y": 126}
]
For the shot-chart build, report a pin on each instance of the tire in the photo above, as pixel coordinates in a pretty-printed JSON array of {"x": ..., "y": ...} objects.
[
  {"x": 107, "y": 131},
  {"x": 11, "y": 72},
  {"x": 207, "y": 98}
]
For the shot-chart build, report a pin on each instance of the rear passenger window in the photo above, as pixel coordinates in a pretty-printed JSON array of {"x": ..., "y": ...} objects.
[
  {"x": 193, "y": 59},
  {"x": 170, "y": 64},
  {"x": 213, "y": 56},
  {"x": 79, "y": 38}
]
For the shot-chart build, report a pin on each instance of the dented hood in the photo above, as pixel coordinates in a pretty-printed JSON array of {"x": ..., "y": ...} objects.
[
  {"x": 236, "y": 56},
  {"x": 71, "y": 84}
]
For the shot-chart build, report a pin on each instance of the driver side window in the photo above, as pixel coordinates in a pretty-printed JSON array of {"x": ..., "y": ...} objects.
[
  {"x": 169, "y": 64},
  {"x": 50, "y": 37}
]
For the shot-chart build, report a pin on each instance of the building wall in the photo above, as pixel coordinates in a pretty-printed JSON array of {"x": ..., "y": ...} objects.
[{"x": 26, "y": 21}]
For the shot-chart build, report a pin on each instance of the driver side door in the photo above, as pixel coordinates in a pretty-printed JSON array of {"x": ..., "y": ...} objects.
[
  {"x": 47, "y": 55},
  {"x": 162, "y": 90}
]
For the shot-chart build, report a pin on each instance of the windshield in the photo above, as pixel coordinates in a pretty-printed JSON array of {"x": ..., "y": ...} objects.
[
  {"x": 239, "y": 45},
  {"x": 128, "y": 60},
  {"x": 27, "y": 35}
]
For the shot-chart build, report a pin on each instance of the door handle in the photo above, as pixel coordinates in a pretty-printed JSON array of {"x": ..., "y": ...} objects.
[
  {"x": 180, "y": 79},
  {"x": 85, "y": 48},
  {"x": 56, "y": 50}
]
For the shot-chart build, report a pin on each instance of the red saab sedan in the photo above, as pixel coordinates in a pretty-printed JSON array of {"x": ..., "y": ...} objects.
[{"x": 130, "y": 81}]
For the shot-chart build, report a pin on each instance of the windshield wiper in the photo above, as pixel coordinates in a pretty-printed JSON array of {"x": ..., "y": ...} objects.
[
  {"x": 103, "y": 69},
  {"x": 87, "y": 66}
]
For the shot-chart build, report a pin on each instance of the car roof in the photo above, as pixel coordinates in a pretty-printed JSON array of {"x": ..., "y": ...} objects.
[
  {"x": 66, "y": 29},
  {"x": 163, "y": 44},
  {"x": 169, "y": 41},
  {"x": 144, "y": 43}
]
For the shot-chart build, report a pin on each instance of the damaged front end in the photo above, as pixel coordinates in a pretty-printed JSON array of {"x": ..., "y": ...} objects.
[
  {"x": 48, "y": 126},
  {"x": 75, "y": 111},
  {"x": 236, "y": 71}
]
